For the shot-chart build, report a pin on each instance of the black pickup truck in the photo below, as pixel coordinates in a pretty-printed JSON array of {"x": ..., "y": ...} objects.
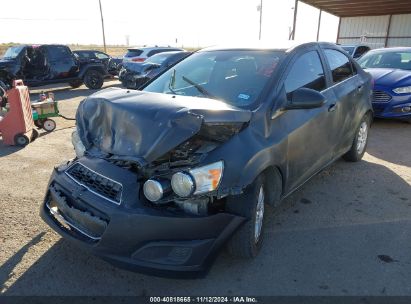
[{"x": 45, "y": 64}]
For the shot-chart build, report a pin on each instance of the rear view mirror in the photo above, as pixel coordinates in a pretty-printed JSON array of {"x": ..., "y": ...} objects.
[{"x": 304, "y": 98}]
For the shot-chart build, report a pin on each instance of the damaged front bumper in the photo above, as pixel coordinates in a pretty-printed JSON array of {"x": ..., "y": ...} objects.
[{"x": 126, "y": 230}]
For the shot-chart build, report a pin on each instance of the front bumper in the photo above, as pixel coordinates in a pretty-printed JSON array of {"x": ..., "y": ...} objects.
[
  {"x": 396, "y": 106},
  {"x": 132, "y": 234}
]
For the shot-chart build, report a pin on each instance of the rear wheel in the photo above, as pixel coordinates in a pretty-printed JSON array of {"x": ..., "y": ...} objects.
[
  {"x": 39, "y": 123},
  {"x": 21, "y": 140},
  {"x": 360, "y": 141},
  {"x": 247, "y": 240},
  {"x": 93, "y": 79},
  {"x": 49, "y": 125}
]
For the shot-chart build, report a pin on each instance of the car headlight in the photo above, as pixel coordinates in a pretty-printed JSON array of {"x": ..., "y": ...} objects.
[
  {"x": 402, "y": 90},
  {"x": 197, "y": 181},
  {"x": 77, "y": 144},
  {"x": 182, "y": 184}
]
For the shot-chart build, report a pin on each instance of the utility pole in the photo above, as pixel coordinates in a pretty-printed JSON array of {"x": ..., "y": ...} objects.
[
  {"x": 260, "y": 9},
  {"x": 102, "y": 26},
  {"x": 295, "y": 20}
]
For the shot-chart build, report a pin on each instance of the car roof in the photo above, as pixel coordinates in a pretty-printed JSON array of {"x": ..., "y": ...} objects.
[
  {"x": 392, "y": 49},
  {"x": 287, "y": 46}
]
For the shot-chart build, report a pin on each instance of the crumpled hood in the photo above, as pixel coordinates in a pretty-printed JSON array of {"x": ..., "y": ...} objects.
[
  {"x": 390, "y": 77},
  {"x": 147, "y": 125}
]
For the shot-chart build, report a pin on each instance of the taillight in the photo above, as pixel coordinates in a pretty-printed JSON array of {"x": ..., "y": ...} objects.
[{"x": 138, "y": 59}]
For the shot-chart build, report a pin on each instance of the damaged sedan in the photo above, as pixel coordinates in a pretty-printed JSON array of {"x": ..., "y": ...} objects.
[{"x": 165, "y": 176}]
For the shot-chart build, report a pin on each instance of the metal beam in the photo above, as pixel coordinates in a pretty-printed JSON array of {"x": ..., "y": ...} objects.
[
  {"x": 295, "y": 19},
  {"x": 388, "y": 31},
  {"x": 319, "y": 24},
  {"x": 348, "y": 8}
]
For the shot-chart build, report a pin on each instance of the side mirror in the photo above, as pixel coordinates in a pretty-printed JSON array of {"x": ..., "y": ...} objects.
[{"x": 304, "y": 98}]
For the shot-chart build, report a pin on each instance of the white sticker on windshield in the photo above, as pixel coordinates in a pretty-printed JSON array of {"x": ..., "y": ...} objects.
[{"x": 244, "y": 96}]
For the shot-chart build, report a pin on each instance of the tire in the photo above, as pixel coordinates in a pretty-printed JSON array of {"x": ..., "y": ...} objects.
[
  {"x": 34, "y": 135},
  {"x": 75, "y": 84},
  {"x": 247, "y": 240},
  {"x": 21, "y": 140},
  {"x": 39, "y": 123},
  {"x": 360, "y": 142},
  {"x": 93, "y": 79},
  {"x": 49, "y": 125}
]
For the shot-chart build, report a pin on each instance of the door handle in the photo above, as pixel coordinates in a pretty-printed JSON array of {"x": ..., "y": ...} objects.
[
  {"x": 359, "y": 88},
  {"x": 332, "y": 107}
]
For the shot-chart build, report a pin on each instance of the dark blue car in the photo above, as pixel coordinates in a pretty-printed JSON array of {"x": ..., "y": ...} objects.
[{"x": 391, "y": 70}]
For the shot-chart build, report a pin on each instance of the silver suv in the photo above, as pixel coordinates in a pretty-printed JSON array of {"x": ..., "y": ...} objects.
[{"x": 141, "y": 54}]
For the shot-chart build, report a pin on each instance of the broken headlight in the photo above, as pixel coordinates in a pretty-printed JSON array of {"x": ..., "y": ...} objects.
[
  {"x": 77, "y": 144},
  {"x": 197, "y": 181}
]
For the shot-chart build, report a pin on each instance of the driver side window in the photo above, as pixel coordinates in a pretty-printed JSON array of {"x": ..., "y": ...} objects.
[{"x": 306, "y": 72}]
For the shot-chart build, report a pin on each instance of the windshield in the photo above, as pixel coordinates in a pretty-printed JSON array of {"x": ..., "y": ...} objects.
[
  {"x": 390, "y": 60},
  {"x": 349, "y": 49},
  {"x": 235, "y": 77},
  {"x": 158, "y": 58},
  {"x": 13, "y": 52}
]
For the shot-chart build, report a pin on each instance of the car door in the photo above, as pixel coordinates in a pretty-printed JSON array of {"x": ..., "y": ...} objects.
[
  {"x": 349, "y": 89},
  {"x": 311, "y": 139},
  {"x": 61, "y": 62}
]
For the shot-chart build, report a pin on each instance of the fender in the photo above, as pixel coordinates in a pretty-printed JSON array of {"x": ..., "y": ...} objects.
[{"x": 92, "y": 66}]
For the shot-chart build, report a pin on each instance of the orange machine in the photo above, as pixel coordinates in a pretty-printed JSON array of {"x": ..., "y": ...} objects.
[{"x": 17, "y": 126}]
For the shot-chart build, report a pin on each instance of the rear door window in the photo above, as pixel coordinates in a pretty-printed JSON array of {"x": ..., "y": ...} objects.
[
  {"x": 306, "y": 72},
  {"x": 340, "y": 65},
  {"x": 57, "y": 52}
]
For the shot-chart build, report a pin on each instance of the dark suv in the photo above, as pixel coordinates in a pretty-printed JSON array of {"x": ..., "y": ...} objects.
[
  {"x": 45, "y": 64},
  {"x": 165, "y": 176}
]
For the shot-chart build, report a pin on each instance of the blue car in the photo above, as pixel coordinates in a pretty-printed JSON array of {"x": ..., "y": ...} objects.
[{"x": 391, "y": 71}]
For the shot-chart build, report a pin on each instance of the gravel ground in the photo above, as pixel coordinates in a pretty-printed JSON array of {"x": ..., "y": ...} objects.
[{"x": 346, "y": 232}]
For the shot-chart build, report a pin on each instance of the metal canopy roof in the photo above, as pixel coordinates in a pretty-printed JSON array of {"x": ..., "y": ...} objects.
[{"x": 351, "y": 8}]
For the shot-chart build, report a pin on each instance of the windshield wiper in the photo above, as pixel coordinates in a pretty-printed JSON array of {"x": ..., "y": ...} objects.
[
  {"x": 172, "y": 82},
  {"x": 199, "y": 87}
]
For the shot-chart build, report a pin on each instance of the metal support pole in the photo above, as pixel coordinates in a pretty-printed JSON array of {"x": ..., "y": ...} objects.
[
  {"x": 261, "y": 18},
  {"x": 102, "y": 26},
  {"x": 319, "y": 24},
  {"x": 338, "y": 30},
  {"x": 295, "y": 19},
  {"x": 388, "y": 31}
]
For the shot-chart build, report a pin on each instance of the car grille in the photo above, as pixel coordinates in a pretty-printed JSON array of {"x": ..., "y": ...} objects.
[
  {"x": 97, "y": 183},
  {"x": 380, "y": 96}
]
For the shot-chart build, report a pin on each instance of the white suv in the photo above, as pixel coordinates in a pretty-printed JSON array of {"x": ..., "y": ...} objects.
[{"x": 141, "y": 54}]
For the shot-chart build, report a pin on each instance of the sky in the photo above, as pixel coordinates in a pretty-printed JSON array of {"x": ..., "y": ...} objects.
[{"x": 195, "y": 23}]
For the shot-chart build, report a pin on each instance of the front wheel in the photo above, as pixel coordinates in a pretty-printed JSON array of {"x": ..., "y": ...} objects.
[
  {"x": 360, "y": 141},
  {"x": 247, "y": 240},
  {"x": 93, "y": 79},
  {"x": 49, "y": 125},
  {"x": 21, "y": 140}
]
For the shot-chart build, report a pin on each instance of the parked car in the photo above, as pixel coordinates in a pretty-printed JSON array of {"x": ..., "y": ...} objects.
[
  {"x": 165, "y": 176},
  {"x": 356, "y": 50},
  {"x": 111, "y": 63},
  {"x": 142, "y": 53},
  {"x": 133, "y": 75},
  {"x": 391, "y": 71},
  {"x": 44, "y": 64}
]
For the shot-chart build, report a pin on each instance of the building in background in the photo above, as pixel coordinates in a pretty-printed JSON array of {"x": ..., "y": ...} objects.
[{"x": 377, "y": 23}]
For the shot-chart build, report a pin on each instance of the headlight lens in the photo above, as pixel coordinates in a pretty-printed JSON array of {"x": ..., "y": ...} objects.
[
  {"x": 153, "y": 190},
  {"x": 182, "y": 184},
  {"x": 207, "y": 178},
  {"x": 77, "y": 144},
  {"x": 402, "y": 90}
]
